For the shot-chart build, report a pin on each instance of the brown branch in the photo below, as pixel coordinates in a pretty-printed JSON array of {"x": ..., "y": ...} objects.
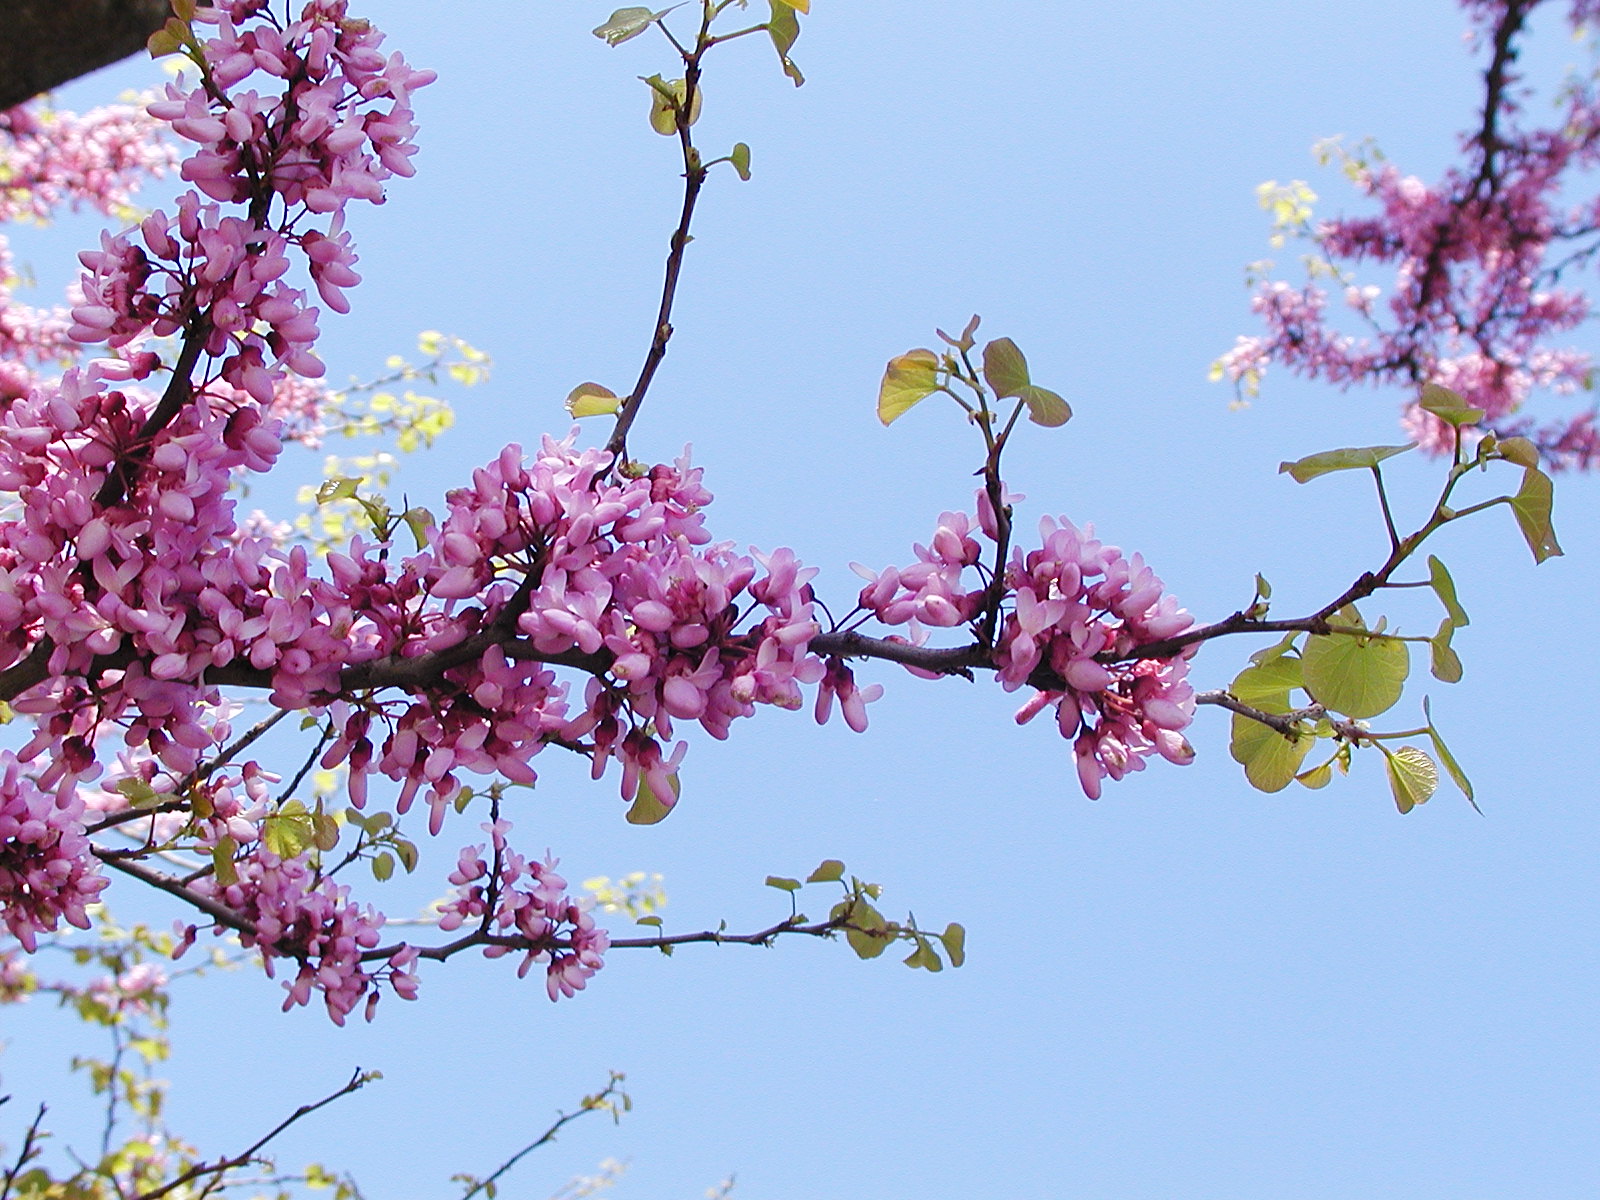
[
  {"x": 220, "y": 913},
  {"x": 694, "y": 177},
  {"x": 357, "y": 1082},
  {"x": 599, "y": 1102}
]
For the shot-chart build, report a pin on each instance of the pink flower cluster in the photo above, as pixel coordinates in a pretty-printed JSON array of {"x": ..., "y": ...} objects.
[
  {"x": 1075, "y": 614},
  {"x": 550, "y": 561},
  {"x": 1479, "y": 301},
  {"x": 520, "y": 899},
  {"x": 298, "y": 915},
  {"x": 47, "y": 874}
]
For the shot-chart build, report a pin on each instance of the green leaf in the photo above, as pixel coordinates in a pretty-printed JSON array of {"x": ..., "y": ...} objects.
[
  {"x": 828, "y": 871},
  {"x": 1457, "y": 775},
  {"x": 925, "y": 957},
  {"x": 592, "y": 400},
  {"x": 647, "y": 809},
  {"x": 798, "y": 5},
  {"x": 1263, "y": 588},
  {"x": 419, "y": 520},
  {"x": 1339, "y": 460},
  {"x": 869, "y": 935},
  {"x": 164, "y": 41},
  {"x": 623, "y": 24},
  {"x": 1532, "y": 507},
  {"x": 1316, "y": 777},
  {"x": 1445, "y": 588},
  {"x": 666, "y": 99},
  {"x": 222, "y": 861},
  {"x": 783, "y": 883},
  {"x": 1262, "y": 657},
  {"x": 907, "y": 380},
  {"x": 1413, "y": 777},
  {"x": 740, "y": 158},
  {"x": 656, "y": 921},
  {"x": 1445, "y": 664},
  {"x": 324, "y": 831},
  {"x": 1270, "y": 760},
  {"x": 408, "y": 854},
  {"x": 289, "y": 831},
  {"x": 1355, "y": 675},
  {"x": 1450, "y": 407},
  {"x": 954, "y": 938},
  {"x": 1004, "y": 367},
  {"x": 340, "y": 487},
  {"x": 1045, "y": 407},
  {"x": 139, "y": 794},
  {"x": 383, "y": 866},
  {"x": 1519, "y": 450},
  {"x": 1267, "y": 686},
  {"x": 783, "y": 27}
]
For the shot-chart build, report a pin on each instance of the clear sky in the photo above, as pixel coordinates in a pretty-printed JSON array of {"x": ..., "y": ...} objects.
[{"x": 1186, "y": 990}]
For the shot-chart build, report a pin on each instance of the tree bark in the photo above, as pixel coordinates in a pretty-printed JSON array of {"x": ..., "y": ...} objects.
[{"x": 46, "y": 43}]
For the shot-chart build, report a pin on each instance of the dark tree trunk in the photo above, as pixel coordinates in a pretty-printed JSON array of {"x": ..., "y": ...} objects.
[{"x": 46, "y": 43}]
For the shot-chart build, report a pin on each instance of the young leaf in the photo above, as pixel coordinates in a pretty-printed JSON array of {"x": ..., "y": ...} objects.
[
  {"x": 1445, "y": 664},
  {"x": 1457, "y": 775},
  {"x": 784, "y": 27},
  {"x": 1532, "y": 507},
  {"x": 624, "y": 24},
  {"x": 1270, "y": 760},
  {"x": 1450, "y": 407},
  {"x": 907, "y": 380},
  {"x": 798, "y": 5},
  {"x": 869, "y": 932},
  {"x": 222, "y": 861},
  {"x": 1519, "y": 450},
  {"x": 1004, "y": 367},
  {"x": 964, "y": 342},
  {"x": 954, "y": 938},
  {"x": 923, "y": 956},
  {"x": 383, "y": 866},
  {"x": 1263, "y": 588},
  {"x": 1413, "y": 777},
  {"x": 831, "y": 869},
  {"x": 1316, "y": 777},
  {"x": 740, "y": 158},
  {"x": 1045, "y": 407},
  {"x": 647, "y": 808},
  {"x": 1312, "y": 465},
  {"x": 783, "y": 883},
  {"x": 1267, "y": 686},
  {"x": 666, "y": 99},
  {"x": 1356, "y": 676},
  {"x": 1445, "y": 588},
  {"x": 592, "y": 400}
]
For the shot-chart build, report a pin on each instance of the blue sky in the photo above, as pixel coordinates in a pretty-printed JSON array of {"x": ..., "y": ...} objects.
[{"x": 1186, "y": 990}]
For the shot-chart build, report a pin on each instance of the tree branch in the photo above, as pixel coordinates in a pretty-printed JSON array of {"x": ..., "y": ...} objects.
[{"x": 50, "y": 42}]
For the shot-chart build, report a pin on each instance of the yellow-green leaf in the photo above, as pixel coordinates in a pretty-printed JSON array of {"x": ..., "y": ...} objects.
[
  {"x": 222, "y": 861},
  {"x": 740, "y": 158},
  {"x": 1316, "y": 777},
  {"x": 954, "y": 938},
  {"x": 1450, "y": 407},
  {"x": 907, "y": 380},
  {"x": 647, "y": 808},
  {"x": 1445, "y": 664},
  {"x": 623, "y": 24},
  {"x": 1532, "y": 506},
  {"x": 1004, "y": 367},
  {"x": 592, "y": 400},
  {"x": 1519, "y": 450},
  {"x": 1270, "y": 760},
  {"x": 783, "y": 883},
  {"x": 1267, "y": 686},
  {"x": 828, "y": 871},
  {"x": 1413, "y": 777},
  {"x": 1457, "y": 775},
  {"x": 869, "y": 932},
  {"x": 1445, "y": 588},
  {"x": 1045, "y": 407},
  {"x": 1312, "y": 465},
  {"x": 798, "y": 5},
  {"x": 1355, "y": 675},
  {"x": 666, "y": 99}
]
